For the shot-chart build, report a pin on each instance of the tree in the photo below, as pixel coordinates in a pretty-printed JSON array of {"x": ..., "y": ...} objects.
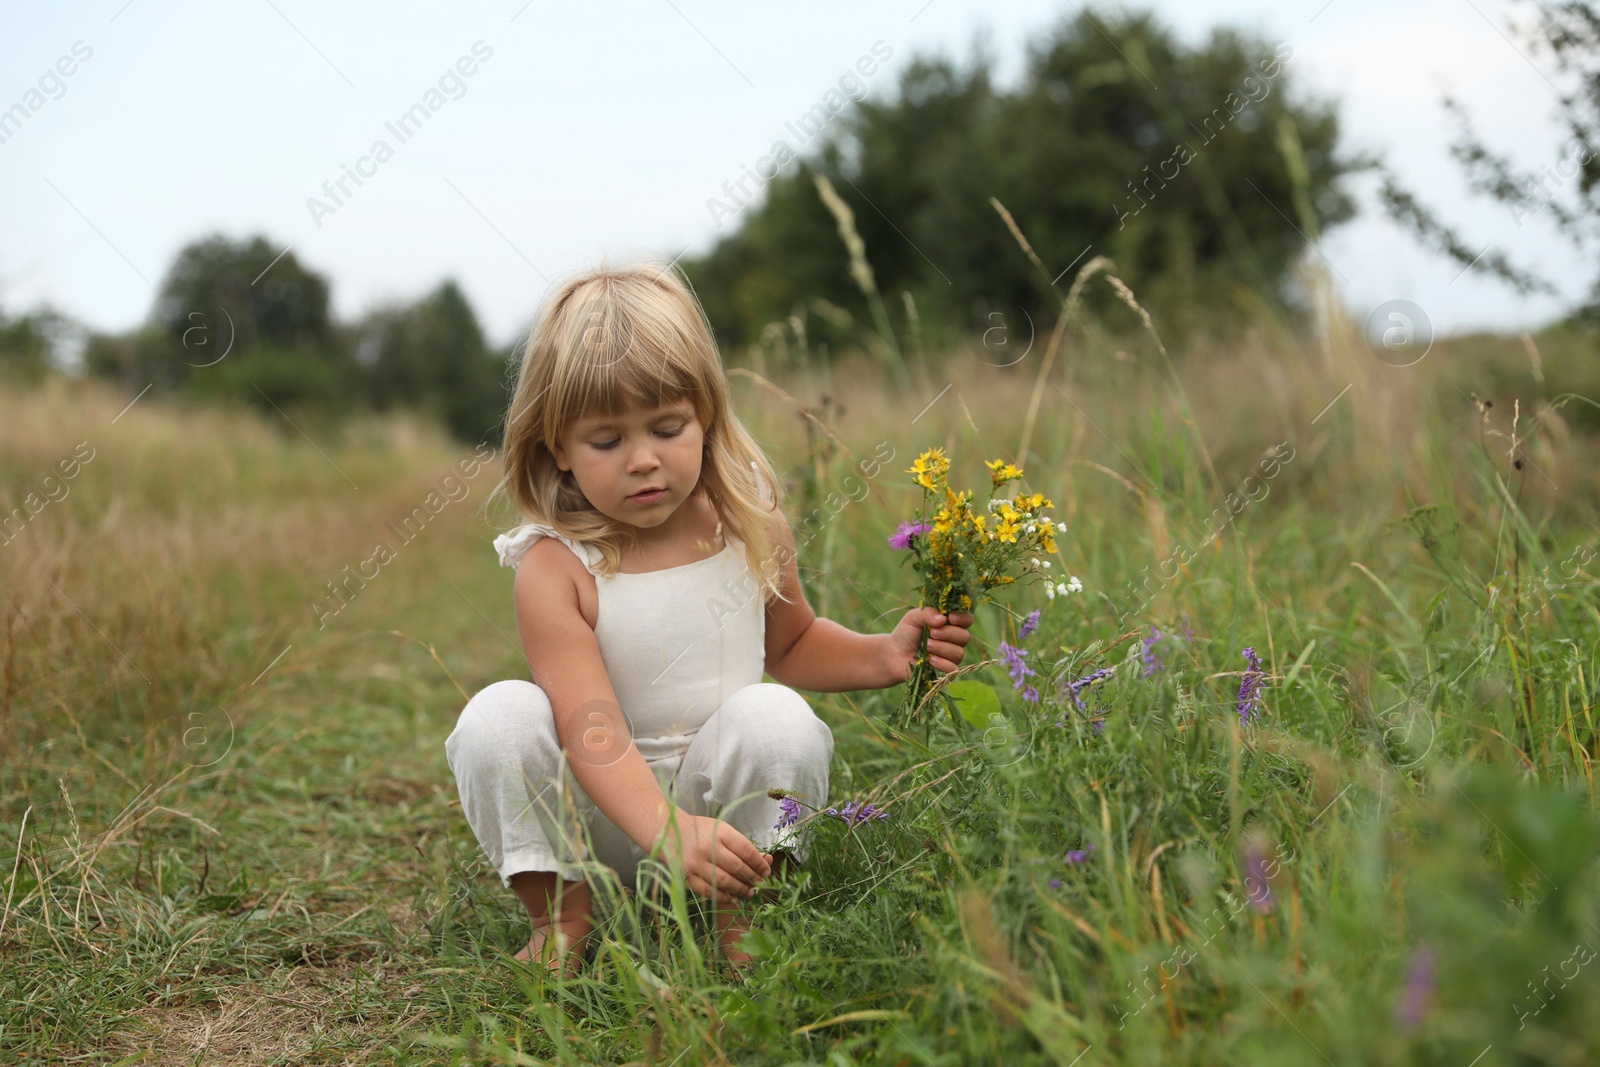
[
  {"x": 432, "y": 356},
  {"x": 27, "y": 343},
  {"x": 235, "y": 319},
  {"x": 1562, "y": 189},
  {"x": 1178, "y": 163}
]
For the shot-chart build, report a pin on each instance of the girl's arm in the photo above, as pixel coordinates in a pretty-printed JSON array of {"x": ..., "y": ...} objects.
[
  {"x": 822, "y": 656},
  {"x": 565, "y": 659}
]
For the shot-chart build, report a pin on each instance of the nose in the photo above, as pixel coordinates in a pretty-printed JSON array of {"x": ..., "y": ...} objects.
[{"x": 643, "y": 458}]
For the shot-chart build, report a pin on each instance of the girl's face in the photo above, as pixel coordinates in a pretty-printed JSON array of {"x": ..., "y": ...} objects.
[{"x": 615, "y": 458}]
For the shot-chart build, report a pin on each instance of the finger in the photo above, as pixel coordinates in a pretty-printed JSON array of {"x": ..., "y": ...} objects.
[
  {"x": 721, "y": 875},
  {"x": 703, "y": 888},
  {"x": 717, "y": 893},
  {"x": 732, "y": 877},
  {"x": 759, "y": 863},
  {"x": 731, "y": 862}
]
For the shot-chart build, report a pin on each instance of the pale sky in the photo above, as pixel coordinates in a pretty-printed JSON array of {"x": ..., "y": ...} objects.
[{"x": 593, "y": 129}]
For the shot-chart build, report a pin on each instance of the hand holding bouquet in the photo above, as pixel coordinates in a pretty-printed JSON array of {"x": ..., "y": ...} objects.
[{"x": 961, "y": 554}]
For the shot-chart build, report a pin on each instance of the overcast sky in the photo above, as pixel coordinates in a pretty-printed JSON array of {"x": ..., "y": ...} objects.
[{"x": 604, "y": 128}]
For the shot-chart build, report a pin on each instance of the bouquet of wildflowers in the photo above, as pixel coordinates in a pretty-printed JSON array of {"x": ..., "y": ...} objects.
[{"x": 961, "y": 554}]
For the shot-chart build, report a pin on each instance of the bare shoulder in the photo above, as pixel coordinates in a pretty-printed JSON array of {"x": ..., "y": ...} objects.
[
  {"x": 552, "y": 584},
  {"x": 558, "y": 638}
]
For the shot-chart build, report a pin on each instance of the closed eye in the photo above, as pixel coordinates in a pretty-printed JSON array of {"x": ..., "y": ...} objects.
[{"x": 608, "y": 445}]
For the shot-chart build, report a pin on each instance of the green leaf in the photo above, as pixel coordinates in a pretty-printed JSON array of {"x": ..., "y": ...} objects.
[{"x": 976, "y": 701}]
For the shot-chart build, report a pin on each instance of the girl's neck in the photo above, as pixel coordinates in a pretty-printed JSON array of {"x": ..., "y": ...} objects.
[{"x": 699, "y": 537}]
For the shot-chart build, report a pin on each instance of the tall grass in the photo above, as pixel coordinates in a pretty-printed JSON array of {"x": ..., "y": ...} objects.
[{"x": 233, "y": 836}]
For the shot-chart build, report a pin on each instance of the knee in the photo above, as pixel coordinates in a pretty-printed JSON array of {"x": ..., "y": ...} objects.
[
  {"x": 769, "y": 710},
  {"x": 511, "y": 696},
  {"x": 500, "y": 719}
]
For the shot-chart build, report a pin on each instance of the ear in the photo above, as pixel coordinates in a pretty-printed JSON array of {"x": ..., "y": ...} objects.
[{"x": 560, "y": 455}]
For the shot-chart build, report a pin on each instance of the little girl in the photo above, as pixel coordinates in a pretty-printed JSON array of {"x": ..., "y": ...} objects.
[{"x": 655, "y": 584}]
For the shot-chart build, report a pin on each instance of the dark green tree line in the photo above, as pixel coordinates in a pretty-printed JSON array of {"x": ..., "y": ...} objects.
[
  {"x": 1179, "y": 163},
  {"x": 235, "y": 320}
]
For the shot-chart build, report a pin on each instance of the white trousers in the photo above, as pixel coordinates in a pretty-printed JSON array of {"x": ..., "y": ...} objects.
[{"x": 529, "y": 813}]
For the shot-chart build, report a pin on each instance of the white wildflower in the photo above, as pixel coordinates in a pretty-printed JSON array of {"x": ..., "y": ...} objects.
[
  {"x": 1075, "y": 585},
  {"x": 1050, "y": 591},
  {"x": 1061, "y": 526}
]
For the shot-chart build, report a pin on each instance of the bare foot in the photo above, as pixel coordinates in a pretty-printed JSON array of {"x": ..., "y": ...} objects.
[
  {"x": 731, "y": 926},
  {"x": 560, "y": 940},
  {"x": 560, "y": 946}
]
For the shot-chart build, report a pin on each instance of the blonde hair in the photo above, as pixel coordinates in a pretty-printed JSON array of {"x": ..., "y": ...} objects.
[{"x": 613, "y": 337}]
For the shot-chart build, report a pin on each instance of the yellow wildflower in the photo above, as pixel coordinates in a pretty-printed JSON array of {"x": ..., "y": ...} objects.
[
  {"x": 929, "y": 466},
  {"x": 1001, "y": 472}
]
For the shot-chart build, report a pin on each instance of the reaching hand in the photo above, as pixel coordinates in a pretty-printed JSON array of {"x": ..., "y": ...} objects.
[
  {"x": 946, "y": 640},
  {"x": 718, "y": 861}
]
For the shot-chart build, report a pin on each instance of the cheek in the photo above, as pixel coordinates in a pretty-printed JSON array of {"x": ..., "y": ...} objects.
[{"x": 694, "y": 450}]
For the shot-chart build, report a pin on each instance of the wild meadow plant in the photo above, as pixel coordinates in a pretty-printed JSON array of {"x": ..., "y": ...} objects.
[{"x": 961, "y": 555}]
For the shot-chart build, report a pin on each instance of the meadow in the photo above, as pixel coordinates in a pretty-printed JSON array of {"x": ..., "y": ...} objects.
[{"x": 230, "y": 835}]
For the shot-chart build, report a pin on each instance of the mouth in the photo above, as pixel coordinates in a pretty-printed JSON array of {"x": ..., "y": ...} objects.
[{"x": 648, "y": 496}]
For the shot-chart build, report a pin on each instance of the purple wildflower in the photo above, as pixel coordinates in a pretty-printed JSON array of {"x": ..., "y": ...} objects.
[
  {"x": 851, "y": 813},
  {"x": 791, "y": 813},
  {"x": 1019, "y": 670},
  {"x": 1249, "y": 701},
  {"x": 1055, "y": 883},
  {"x": 901, "y": 538},
  {"x": 1152, "y": 662},
  {"x": 1256, "y": 886},
  {"x": 1418, "y": 991},
  {"x": 1078, "y": 855},
  {"x": 1085, "y": 682},
  {"x": 1028, "y": 625}
]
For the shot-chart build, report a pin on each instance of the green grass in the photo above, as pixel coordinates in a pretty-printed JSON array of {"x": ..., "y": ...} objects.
[{"x": 230, "y": 836}]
